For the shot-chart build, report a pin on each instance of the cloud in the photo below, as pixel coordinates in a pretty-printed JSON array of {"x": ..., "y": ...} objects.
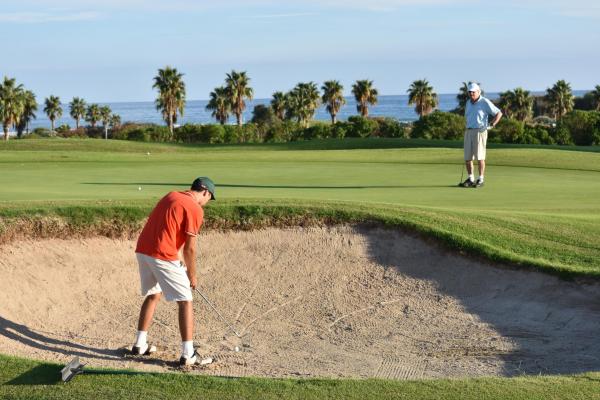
[{"x": 38, "y": 17}]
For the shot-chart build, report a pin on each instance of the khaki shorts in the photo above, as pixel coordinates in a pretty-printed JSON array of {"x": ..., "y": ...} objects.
[
  {"x": 160, "y": 276},
  {"x": 475, "y": 141}
]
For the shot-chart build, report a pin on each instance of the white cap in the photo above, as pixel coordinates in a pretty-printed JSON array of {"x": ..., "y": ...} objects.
[{"x": 473, "y": 87}]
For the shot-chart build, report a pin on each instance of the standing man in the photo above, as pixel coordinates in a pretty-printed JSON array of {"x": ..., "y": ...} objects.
[
  {"x": 166, "y": 254},
  {"x": 478, "y": 110}
]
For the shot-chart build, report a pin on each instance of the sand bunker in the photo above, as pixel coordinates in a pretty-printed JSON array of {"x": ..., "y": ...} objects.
[{"x": 329, "y": 302}]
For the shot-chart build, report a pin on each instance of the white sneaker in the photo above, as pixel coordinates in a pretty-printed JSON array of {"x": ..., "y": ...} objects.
[
  {"x": 193, "y": 360},
  {"x": 144, "y": 350}
]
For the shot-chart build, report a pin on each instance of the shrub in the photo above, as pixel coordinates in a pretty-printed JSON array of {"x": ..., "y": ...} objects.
[
  {"x": 439, "y": 125},
  {"x": 188, "y": 133},
  {"x": 282, "y": 131},
  {"x": 96, "y": 132},
  {"x": 534, "y": 134},
  {"x": 63, "y": 128},
  {"x": 41, "y": 132},
  {"x": 76, "y": 133},
  {"x": 212, "y": 133},
  {"x": 338, "y": 130},
  {"x": 159, "y": 133},
  {"x": 359, "y": 126},
  {"x": 507, "y": 131},
  {"x": 583, "y": 126},
  {"x": 319, "y": 130},
  {"x": 391, "y": 127},
  {"x": 562, "y": 136}
]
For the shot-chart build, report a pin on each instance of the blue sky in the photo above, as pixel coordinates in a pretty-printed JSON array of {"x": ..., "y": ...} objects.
[{"x": 109, "y": 50}]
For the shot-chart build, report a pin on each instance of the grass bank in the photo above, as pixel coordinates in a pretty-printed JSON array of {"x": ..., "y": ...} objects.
[{"x": 564, "y": 246}]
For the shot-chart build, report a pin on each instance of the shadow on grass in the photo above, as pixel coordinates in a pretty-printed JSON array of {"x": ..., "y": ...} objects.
[
  {"x": 49, "y": 374},
  {"x": 44, "y": 374}
]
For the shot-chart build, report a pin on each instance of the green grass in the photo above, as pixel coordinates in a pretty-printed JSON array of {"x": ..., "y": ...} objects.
[
  {"x": 27, "y": 379},
  {"x": 539, "y": 208}
]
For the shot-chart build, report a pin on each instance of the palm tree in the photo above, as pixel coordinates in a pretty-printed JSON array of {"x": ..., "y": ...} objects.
[
  {"x": 105, "y": 112},
  {"x": 517, "y": 104},
  {"x": 333, "y": 96},
  {"x": 463, "y": 96},
  {"x": 53, "y": 109},
  {"x": 115, "y": 121},
  {"x": 365, "y": 94},
  {"x": 11, "y": 103},
  {"x": 219, "y": 104},
  {"x": 302, "y": 102},
  {"x": 92, "y": 114},
  {"x": 560, "y": 98},
  {"x": 278, "y": 104},
  {"x": 171, "y": 94},
  {"x": 238, "y": 89},
  {"x": 77, "y": 110},
  {"x": 596, "y": 96},
  {"x": 422, "y": 96},
  {"x": 29, "y": 108}
]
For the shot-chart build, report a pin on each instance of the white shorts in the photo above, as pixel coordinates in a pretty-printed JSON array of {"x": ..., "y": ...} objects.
[
  {"x": 160, "y": 276},
  {"x": 474, "y": 144}
]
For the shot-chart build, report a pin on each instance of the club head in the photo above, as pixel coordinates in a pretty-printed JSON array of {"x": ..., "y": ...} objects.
[{"x": 74, "y": 367}]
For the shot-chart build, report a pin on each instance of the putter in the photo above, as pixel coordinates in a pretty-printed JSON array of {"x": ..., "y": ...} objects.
[{"x": 218, "y": 313}]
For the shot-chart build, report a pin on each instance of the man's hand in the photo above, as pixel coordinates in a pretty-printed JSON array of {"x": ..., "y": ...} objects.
[{"x": 193, "y": 281}]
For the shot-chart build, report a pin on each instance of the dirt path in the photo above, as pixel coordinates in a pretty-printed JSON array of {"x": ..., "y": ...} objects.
[{"x": 334, "y": 302}]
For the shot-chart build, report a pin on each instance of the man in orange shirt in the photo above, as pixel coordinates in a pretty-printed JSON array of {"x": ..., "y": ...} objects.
[{"x": 166, "y": 254}]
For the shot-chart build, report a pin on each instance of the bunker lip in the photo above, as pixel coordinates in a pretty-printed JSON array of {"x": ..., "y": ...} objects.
[{"x": 341, "y": 301}]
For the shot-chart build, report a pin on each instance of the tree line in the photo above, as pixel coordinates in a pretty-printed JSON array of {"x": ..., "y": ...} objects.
[{"x": 18, "y": 105}]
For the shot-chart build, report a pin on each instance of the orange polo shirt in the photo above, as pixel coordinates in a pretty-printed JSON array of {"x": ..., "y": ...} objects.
[{"x": 175, "y": 216}]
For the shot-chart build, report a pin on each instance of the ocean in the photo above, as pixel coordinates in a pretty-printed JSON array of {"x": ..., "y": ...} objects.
[{"x": 393, "y": 106}]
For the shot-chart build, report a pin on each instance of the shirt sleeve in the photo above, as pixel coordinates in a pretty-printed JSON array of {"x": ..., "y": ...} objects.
[
  {"x": 492, "y": 109},
  {"x": 193, "y": 220}
]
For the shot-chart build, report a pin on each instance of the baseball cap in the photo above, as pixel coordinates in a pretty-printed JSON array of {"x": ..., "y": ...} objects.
[
  {"x": 204, "y": 183},
  {"x": 473, "y": 87}
]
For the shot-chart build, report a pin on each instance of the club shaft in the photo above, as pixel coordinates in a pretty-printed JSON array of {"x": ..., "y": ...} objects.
[{"x": 217, "y": 311}]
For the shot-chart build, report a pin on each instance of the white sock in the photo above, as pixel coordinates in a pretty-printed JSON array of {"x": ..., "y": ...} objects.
[
  {"x": 141, "y": 338},
  {"x": 187, "y": 348},
  {"x": 480, "y": 178},
  {"x": 471, "y": 177}
]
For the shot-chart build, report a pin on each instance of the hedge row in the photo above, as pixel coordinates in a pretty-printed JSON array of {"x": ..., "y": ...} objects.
[{"x": 578, "y": 127}]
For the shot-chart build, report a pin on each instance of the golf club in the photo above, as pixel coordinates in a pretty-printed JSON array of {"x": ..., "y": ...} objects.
[{"x": 218, "y": 313}]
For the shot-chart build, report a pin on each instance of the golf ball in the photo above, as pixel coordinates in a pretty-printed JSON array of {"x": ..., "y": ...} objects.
[
  {"x": 139, "y": 188},
  {"x": 237, "y": 348}
]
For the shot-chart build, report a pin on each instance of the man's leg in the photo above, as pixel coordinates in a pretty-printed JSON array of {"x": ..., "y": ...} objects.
[
  {"x": 147, "y": 311},
  {"x": 186, "y": 328},
  {"x": 481, "y": 168},
  {"x": 186, "y": 320},
  {"x": 469, "y": 164}
]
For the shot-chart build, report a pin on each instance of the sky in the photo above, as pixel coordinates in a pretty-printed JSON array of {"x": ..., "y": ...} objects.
[{"x": 110, "y": 50}]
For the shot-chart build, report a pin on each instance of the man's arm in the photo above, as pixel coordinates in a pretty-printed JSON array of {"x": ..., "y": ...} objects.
[
  {"x": 189, "y": 258},
  {"x": 496, "y": 119}
]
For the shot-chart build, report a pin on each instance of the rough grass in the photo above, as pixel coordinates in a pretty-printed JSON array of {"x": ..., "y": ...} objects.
[{"x": 27, "y": 379}]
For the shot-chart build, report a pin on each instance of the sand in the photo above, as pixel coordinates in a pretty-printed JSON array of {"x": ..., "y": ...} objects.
[{"x": 339, "y": 301}]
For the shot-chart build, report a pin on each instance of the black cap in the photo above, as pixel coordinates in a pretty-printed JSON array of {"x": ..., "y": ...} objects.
[{"x": 204, "y": 183}]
